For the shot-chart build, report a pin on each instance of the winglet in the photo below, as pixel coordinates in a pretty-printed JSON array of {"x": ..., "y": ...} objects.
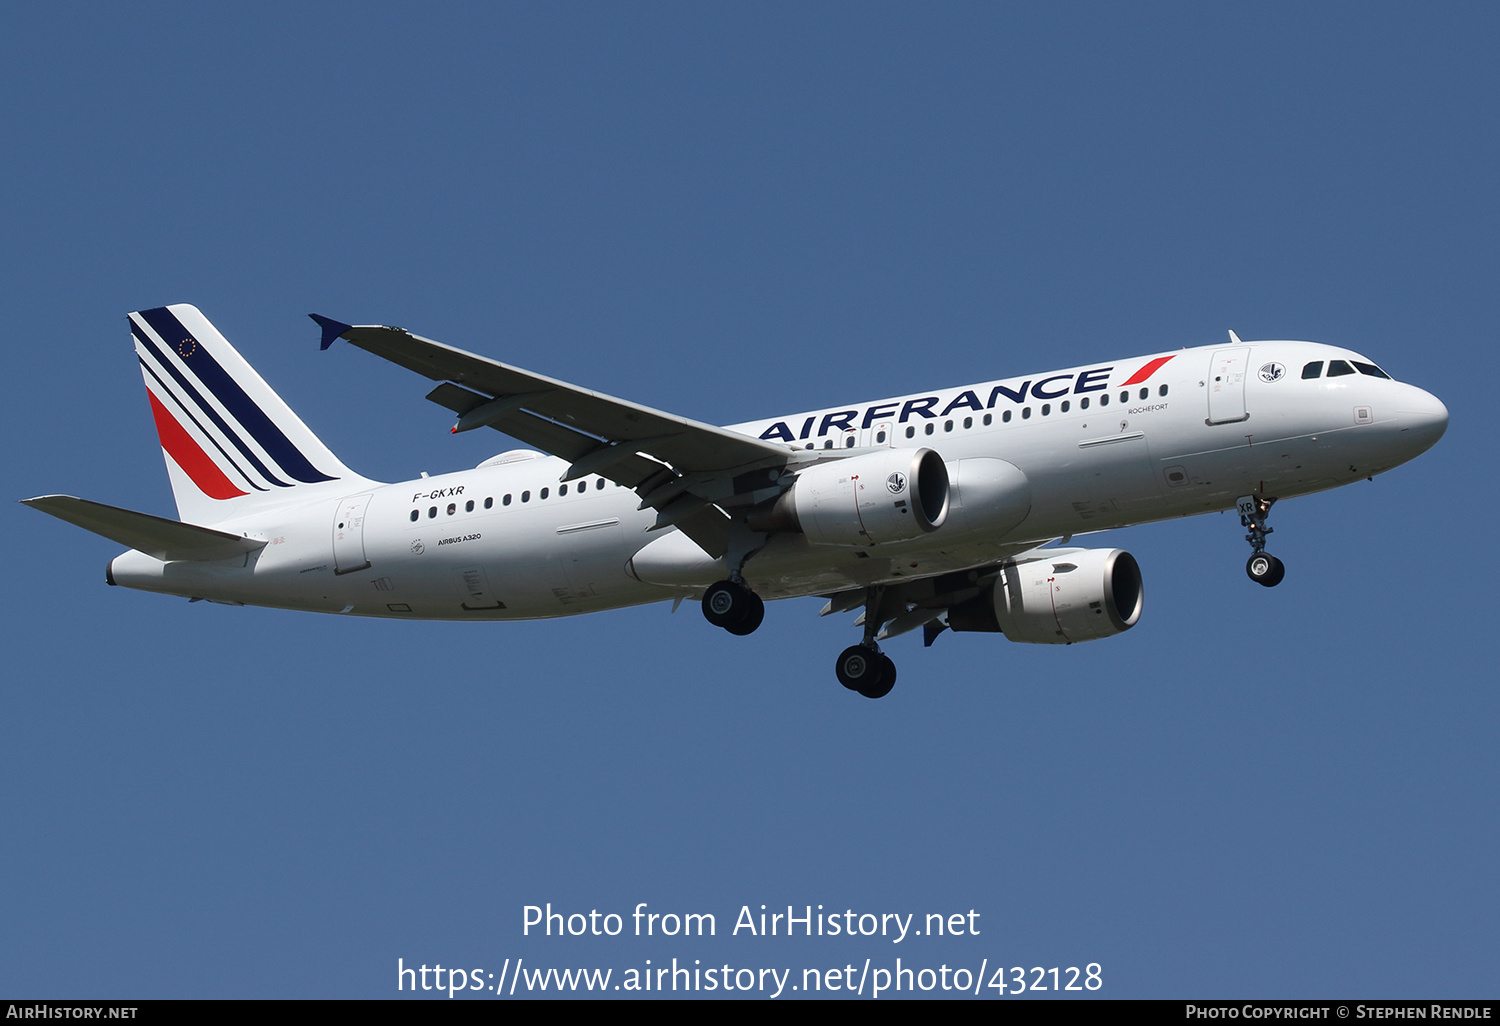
[
  {"x": 332, "y": 329},
  {"x": 1232, "y": 337}
]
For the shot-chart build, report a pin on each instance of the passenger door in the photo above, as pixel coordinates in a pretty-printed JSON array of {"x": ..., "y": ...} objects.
[
  {"x": 349, "y": 535},
  {"x": 1226, "y": 386}
]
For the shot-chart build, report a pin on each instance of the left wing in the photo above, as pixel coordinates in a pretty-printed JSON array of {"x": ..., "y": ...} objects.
[
  {"x": 925, "y": 602},
  {"x": 680, "y": 467}
]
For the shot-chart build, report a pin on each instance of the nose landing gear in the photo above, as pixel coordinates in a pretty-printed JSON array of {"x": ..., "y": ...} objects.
[{"x": 1263, "y": 568}]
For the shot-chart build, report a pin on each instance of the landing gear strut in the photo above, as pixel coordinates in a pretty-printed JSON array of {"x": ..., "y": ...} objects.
[
  {"x": 734, "y": 607},
  {"x": 863, "y": 667},
  {"x": 1263, "y": 568}
]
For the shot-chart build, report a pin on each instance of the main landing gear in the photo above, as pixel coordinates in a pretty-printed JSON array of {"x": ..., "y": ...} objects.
[
  {"x": 734, "y": 607},
  {"x": 1263, "y": 568},
  {"x": 866, "y": 669},
  {"x": 863, "y": 667}
]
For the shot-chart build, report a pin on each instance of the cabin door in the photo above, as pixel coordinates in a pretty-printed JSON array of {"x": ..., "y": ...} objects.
[
  {"x": 1226, "y": 386},
  {"x": 349, "y": 535}
]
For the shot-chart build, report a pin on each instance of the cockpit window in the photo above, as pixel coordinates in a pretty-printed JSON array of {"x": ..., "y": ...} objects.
[
  {"x": 1370, "y": 369},
  {"x": 1338, "y": 368},
  {"x": 1313, "y": 370}
]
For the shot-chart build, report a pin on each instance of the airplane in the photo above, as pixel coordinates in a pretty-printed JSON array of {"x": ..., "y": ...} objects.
[{"x": 950, "y": 509}]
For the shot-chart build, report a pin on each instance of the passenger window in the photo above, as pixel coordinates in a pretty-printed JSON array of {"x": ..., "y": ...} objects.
[
  {"x": 543, "y": 493},
  {"x": 911, "y": 432},
  {"x": 968, "y": 423},
  {"x": 1026, "y": 413},
  {"x": 1338, "y": 368},
  {"x": 1124, "y": 397},
  {"x": 1064, "y": 408},
  {"x": 526, "y": 496},
  {"x": 1162, "y": 391},
  {"x": 948, "y": 425},
  {"x": 489, "y": 502},
  {"x": 1083, "y": 403},
  {"x": 505, "y": 501},
  {"x": 414, "y": 514},
  {"x": 469, "y": 506},
  {"x": 1046, "y": 409},
  {"x": 988, "y": 420},
  {"x": 880, "y": 436},
  {"x": 1370, "y": 369},
  {"x": 849, "y": 442},
  {"x": 562, "y": 490},
  {"x": 1005, "y": 416},
  {"x": 452, "y": 508},
  {"x": 1145, "y": 393},
  {"x": 828, "y": 444},
  {"x": 929, "y": 428},
  {"x": 1312, "y": 370},
  {"x": 1104, "y": 399}
]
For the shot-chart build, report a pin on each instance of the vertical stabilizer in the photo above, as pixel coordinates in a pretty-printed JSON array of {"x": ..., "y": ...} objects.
[{"x": 230, "y": 442}]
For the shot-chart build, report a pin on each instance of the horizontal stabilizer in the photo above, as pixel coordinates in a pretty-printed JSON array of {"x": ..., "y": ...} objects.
[{"x": 155, "y": 536}]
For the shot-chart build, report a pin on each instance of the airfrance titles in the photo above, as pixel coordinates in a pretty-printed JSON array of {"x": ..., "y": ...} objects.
[{"x": 1082, "y": 384}]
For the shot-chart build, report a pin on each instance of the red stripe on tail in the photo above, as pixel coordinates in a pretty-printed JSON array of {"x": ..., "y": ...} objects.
[
  {"x": 189, "y": 455},
  {"x": 1148, "y": 370}
]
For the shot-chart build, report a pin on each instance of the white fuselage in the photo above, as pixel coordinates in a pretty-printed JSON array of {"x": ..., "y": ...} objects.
[{"x": 507, "y": 540}]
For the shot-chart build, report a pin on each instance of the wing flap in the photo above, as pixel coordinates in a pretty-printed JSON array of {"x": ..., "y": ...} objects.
[{"x": 155, "y": 536}]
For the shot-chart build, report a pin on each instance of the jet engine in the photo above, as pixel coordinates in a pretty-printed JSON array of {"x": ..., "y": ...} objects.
[
  {"x": 1070, "y": 595},
  {"x": 989, "y": 495},
  {"x": 887, "y": 496}
]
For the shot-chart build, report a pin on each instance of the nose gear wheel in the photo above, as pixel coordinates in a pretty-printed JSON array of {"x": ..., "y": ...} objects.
[{"x": 1265, "y": 569}]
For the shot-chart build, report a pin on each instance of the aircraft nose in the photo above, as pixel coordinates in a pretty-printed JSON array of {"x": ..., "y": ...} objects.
[{"x": 1424, "y": 418}]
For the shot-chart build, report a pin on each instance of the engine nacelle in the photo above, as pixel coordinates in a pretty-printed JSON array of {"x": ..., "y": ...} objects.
[
  {"x": 988, "y": 495},
  {"x": 1072, "y": 595},
  {"x": 886, "y": 496}
]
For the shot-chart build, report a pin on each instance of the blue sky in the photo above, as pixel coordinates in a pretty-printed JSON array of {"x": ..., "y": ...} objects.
[{"x": 731, "y": 212}]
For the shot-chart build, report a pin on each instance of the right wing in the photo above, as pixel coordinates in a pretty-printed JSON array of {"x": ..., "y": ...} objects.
[{"x": 682, "y": 468}]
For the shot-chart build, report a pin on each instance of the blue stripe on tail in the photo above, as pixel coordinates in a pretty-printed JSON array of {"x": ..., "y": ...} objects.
[{"x": 229, "y": 393}]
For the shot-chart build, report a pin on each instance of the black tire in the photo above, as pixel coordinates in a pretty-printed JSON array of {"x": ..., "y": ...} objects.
[
  {"x": 1265, "y": 569},
  {"x": 887, "y": 680},
  {"x": 755, "y": 612},
  {"x": 733, "y": 607},
  {"x": 858, "y": 668}
]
